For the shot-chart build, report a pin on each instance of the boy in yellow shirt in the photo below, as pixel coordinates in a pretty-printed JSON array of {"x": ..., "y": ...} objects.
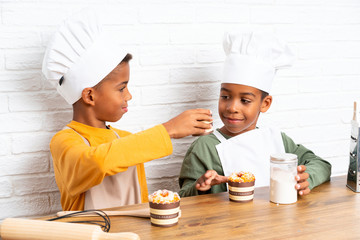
[{"x": 96, "y": 165}]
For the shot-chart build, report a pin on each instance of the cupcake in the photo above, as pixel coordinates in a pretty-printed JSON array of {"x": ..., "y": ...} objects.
[
  {"x": 210, "y": 129},
  {"x": 164, "y": 208},
  {"x": 241, "y": 186}
]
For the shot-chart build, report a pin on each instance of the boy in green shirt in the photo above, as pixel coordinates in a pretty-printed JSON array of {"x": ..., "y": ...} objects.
[{"x": 250, "y": 66}]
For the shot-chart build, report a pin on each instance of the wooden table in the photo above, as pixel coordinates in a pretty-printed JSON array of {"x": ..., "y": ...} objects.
[{"x": 331, "y": 211}]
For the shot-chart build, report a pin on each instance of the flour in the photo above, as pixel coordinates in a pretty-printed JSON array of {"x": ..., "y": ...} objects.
[{"x": 282, "y": 186}]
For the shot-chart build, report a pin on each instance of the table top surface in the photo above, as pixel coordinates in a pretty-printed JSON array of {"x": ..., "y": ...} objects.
[{"x": 330, "y": 211}]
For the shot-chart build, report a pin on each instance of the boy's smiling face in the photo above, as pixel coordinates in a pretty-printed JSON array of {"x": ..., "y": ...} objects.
[
  {"x": 111, "y": 95},
  {"x": 240, "y": 106}
]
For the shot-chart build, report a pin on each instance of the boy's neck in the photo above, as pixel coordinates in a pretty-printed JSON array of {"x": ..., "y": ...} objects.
[
  {"x": 231, "y": 134},
  {"x": 84, "y": 115},
  {"x": 96, "y": 124}
]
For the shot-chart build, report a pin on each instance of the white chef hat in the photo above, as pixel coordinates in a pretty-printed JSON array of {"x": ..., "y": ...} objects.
[
  {"x": 253, "y": 58},
  {"x": 79, "y": 55}
]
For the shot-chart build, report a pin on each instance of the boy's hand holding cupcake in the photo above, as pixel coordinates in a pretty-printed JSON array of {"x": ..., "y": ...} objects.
[
  {"x": 194, "y": 122},
  {"x": 210, "y": 178}
]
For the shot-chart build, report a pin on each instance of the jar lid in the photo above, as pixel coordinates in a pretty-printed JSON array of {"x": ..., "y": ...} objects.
[{"x": 283, "y": 157}]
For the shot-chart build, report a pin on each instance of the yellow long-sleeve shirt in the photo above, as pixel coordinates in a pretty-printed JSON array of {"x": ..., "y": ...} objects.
[{"x": 79, "y": 167}]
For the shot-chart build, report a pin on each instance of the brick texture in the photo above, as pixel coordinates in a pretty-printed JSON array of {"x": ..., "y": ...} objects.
[{"x": 176, "y": 65}]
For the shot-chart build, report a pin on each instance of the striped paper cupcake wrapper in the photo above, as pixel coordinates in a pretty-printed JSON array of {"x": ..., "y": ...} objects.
[
  {"x": 241, "y": 192},
  {"x": 164, "y": 215}
]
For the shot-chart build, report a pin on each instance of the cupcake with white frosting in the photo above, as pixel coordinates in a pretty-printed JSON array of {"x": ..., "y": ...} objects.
[{"x": 164, "y": 208}]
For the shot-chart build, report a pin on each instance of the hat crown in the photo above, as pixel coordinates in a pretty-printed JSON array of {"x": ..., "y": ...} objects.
[
  {"x": 79, "y": 54},
  {"x": 252, "y": 58},
  {"x": 266, "y": 47},
  {"x": 68, "y": 44}
]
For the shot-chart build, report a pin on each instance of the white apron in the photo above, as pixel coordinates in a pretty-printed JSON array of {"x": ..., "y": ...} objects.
[
  {"x": 118, "y": 190},
  {"x": 115, "y": 191},
  {"x": 251, "y": 152}
]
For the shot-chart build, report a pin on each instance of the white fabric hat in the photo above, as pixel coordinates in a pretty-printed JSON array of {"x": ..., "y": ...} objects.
[
  {"x": 252, "y": 59},
  {"x": 79, "y": 55}
]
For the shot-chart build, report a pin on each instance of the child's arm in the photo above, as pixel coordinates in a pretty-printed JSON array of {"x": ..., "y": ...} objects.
[
  {"x": 192, "y": 168},
  {"x": 318, "y": 169},
  {"x": 200, "y": 157},
  {"x": 188, "y": 123},
  {"x": 81, "y": 167},
  {"x": 78, "y": 163},
  {"x": 209, "y": 179}
]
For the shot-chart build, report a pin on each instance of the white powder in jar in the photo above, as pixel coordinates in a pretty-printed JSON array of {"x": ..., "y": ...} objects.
[{"x": 282, "y": 186}]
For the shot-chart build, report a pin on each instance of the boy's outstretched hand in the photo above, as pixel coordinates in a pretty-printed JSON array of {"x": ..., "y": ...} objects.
[
  {"x": 302, "y": 185},
  {"x": 209, "y": 179},
  {"x": 189, "y": 122}
]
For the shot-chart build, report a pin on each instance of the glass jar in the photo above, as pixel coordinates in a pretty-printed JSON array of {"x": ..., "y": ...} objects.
[{"x": 283, "y": 169}]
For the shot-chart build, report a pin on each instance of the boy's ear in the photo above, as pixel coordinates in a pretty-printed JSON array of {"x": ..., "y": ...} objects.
[
  {"x": 266, "y": 103},
  {"x": 87, "y": 96}
]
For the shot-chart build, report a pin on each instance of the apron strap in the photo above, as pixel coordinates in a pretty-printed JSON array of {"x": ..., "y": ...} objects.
[
  {"x": 85, "y": 140},
  {"x": 117, "y": 135},
  {"x": 219, "y": 136}
]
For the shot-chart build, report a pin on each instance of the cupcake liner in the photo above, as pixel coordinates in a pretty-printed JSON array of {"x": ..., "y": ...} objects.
[
  {"x": 164, "y": 214},
  {"x": 241, "y": 191}
]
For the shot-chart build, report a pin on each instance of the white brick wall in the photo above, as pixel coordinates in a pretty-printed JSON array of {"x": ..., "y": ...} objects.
[{"x": 177, "y": 65}]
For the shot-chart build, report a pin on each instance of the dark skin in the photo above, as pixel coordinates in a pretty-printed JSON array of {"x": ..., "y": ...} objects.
[
  {"x": 108, "y": 102},
  {"x": 105, "y": 102},
  {"x": 239, "y": 110}
]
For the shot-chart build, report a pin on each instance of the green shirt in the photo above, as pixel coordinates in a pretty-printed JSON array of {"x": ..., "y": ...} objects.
[{"x": 202, "y": 156}]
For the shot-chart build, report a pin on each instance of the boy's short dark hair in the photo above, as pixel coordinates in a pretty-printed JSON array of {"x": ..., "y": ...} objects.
[
  {"x": 127, "y": 58},
  {"x": 264, "y": 94}
]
